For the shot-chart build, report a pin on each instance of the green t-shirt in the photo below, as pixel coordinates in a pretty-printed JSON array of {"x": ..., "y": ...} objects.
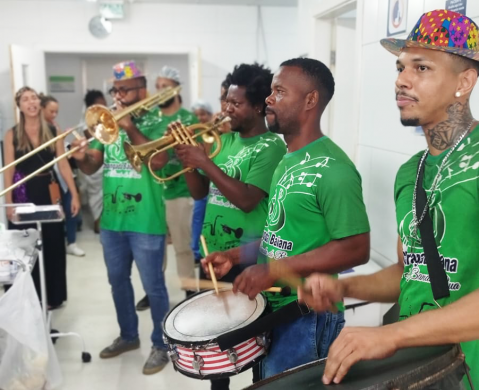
[
  {"x": 316, "y": 197},
  {"x": 175, "y": 188},
  {"x": 249, "y": 160},
  {"x": 455, "y": 213},
  {"x": 132, "y": 202}
]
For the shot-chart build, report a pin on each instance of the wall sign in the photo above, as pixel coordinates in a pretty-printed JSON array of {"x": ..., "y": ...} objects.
[
  {"x": 61, "y": 84},
  {"x": 457, "y": 6},
  {"x": 397, "y": 17}
]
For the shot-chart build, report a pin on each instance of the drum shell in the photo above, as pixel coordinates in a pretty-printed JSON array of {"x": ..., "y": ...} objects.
[
  {"x": 216, "y": 363},
  {"x": 412, "y": 368}
]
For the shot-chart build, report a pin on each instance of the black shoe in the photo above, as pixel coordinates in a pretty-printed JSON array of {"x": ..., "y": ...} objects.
[{"x": 143, "y": 304}]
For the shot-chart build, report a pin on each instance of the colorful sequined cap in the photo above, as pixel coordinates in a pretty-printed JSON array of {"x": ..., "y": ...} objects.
[
  {"x": 443, "y": 30},
  {"x": 126, "y": 70}
]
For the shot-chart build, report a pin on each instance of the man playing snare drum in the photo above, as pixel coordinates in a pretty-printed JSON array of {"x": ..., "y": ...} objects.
[
  {"x": 237, "y": 181},
  {"x": 316, "y": 219},
  {"x": 438, "y": 66}
]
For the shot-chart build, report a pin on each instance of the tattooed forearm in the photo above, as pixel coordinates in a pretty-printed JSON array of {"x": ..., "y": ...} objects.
[{"x": 444, "y": 134}]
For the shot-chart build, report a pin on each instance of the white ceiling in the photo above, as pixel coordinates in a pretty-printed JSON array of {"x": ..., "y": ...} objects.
[
  {"x": 277, "y": 3},
  {"x": 264, "y": 3}
]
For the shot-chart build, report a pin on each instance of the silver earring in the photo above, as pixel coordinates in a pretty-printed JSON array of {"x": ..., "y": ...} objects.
[{"x": 458, "y": 94}]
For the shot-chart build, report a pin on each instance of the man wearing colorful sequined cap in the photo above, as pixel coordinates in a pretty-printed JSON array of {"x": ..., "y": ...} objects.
[
  {"x": 133, "y": 220},
  {"x": 438, "y": 67}
]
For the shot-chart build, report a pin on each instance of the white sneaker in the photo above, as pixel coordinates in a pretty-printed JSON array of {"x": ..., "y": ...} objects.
[{"x": 72, "y": 249}]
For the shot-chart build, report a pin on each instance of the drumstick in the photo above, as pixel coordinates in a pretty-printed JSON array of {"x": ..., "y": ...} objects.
[
  {"x": 281, "y": 271},
  {"x": 210, "y": 266},
  {"x": 191, "y": 283}
]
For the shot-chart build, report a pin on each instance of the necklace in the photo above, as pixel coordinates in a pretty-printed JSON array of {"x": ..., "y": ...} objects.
[{"x": 415, "y": 222}]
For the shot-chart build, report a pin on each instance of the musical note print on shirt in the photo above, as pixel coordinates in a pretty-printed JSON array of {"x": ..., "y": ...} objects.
[
  {"x": 233, "y": 167},
  {"x": 300, "y": 178}
]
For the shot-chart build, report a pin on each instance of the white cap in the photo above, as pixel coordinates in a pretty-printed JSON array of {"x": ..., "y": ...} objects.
[
  {"x": 202, "y": 105},
  {"x": 168, "y": 72}
]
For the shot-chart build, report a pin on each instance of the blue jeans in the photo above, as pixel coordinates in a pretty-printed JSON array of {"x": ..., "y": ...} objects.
[
  {"x": 197, "y": 225},
  {"x": 301, "y": 341},
  {"x": 70, "y": 221},
  {"x": 119, "y": 250}
]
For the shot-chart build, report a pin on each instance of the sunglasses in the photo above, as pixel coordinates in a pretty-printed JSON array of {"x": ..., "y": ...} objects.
[{"x": 122, "y": 91}]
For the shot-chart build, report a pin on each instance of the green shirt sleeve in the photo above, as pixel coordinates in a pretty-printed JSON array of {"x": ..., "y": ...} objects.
[
  {"x": 97, "y": 145},
  {"x": 341, "y": 202},
  {"x": 261, "y": 172}
]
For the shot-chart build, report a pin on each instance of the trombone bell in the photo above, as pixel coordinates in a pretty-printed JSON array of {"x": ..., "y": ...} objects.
[{"x": 101, "y": 124}]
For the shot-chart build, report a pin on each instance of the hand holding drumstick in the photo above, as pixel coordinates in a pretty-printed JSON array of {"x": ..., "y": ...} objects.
[
  {"x": 320, "y": 292},
  {"x": 210, "y": 266}
]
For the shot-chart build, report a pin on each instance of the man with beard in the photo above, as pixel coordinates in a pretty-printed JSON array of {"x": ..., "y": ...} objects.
[
  {"x": 237, "y": 181},
  {"x": 133, "y": 225},
  {"x": 316, "y": 222},
  {"x": 438, "y": 68},
  {"x": 178, "y": 201}
]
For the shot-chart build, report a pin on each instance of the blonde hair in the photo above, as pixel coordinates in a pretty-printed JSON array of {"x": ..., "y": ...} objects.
[{"x": 23, "y": 143}]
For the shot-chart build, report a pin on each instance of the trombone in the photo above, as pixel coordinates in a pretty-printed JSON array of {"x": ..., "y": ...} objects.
[
  {"x": 101, "y": 123},
  {"x": 144, "y": 153}
]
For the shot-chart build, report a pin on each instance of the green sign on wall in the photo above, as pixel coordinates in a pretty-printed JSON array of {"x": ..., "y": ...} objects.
[{"x": 62, "y": 84}]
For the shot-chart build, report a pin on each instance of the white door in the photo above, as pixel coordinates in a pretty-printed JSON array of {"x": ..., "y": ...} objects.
[
  {"x": 27, "y": 68},
  {"x": 343, "y": 128}
]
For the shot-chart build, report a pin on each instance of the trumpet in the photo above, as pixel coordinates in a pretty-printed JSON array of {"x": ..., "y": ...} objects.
[
  {"x": 101, "y": 123},
  {"x": 144, "y": 153}
]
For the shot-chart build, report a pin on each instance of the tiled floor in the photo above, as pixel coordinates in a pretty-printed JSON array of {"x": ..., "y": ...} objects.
[{"x": 90, "y": 312}]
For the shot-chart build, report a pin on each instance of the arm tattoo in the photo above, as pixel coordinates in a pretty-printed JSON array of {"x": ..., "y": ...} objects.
[{"x": 445, "y": 134}]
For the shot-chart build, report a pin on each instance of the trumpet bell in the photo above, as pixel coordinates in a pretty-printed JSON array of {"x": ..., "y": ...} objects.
[
  {"x": 101, "y": 124},
  {"x": 133, "y": 156},
  {"x": 207, "y": 135}
]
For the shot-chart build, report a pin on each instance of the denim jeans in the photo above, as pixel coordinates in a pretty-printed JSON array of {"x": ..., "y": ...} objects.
[
  {"x": 301, "y": 341},
  {"x": 70, "y": 221},
  {"x": 199, "y": 209},
  {"x": 119, "y": 250}
]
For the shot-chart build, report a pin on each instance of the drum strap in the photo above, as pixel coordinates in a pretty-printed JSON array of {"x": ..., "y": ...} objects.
[
  {"x": 288, "y": 313},
  {"x": 437, "y": 274}
]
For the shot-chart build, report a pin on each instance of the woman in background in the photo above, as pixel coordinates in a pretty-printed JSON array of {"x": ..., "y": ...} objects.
[
  {"x": 31, "y": 132},
  {"x": 50, "y": 111}
]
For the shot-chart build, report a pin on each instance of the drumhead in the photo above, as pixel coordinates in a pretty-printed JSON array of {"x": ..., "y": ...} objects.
[
  {"x": 413, "y": 368},
  {"x": 205, "y": 316}
]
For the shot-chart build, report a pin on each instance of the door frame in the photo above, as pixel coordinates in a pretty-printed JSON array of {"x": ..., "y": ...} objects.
[{"x": 324, "y": 41}]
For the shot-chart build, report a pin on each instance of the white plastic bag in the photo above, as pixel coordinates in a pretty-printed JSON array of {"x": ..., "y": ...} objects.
[{"x": 27, "y": 358}]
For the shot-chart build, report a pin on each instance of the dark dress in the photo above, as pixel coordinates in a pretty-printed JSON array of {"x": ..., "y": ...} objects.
[{"x": 36, "y": 191}]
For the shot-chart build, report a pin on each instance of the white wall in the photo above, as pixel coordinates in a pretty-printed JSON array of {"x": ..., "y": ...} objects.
[
  {"x": 225, "y": 35},
  {"x": 383, "y": 143}
]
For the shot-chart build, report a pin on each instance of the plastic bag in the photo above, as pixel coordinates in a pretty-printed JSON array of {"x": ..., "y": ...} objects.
[
  {"x": 27, "y": 358},
  {"x": 17, "y": 245}
]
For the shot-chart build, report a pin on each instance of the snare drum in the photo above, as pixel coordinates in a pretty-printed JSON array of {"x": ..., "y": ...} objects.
[
  {"x": 191, "y": 329},
  {"x": 440, "y": 368}
]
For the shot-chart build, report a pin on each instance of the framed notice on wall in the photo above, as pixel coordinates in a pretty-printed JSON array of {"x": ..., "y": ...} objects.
[
  {"x": 61, "y": 84},
  {"x": 397, "y": 17},
  {"x": 457, "y": 6}
]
